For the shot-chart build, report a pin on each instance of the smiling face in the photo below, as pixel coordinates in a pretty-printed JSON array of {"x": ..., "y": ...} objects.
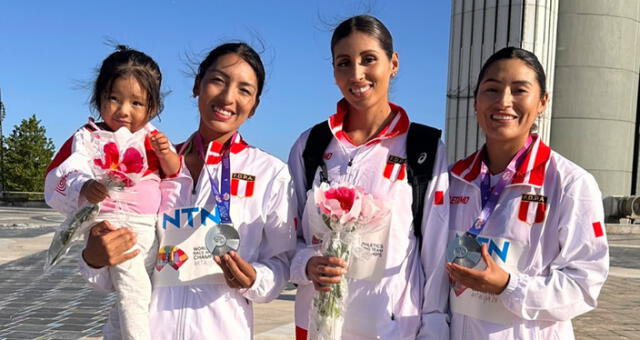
[
  {"x": 362, "y": 70},
  {"x": 509, "y": 101},
  {"x": 125, "y": 105},
  {"x": 227, "y": 96}
]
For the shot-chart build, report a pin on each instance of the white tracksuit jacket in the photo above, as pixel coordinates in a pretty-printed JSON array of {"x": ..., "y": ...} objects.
[
  {"x": 401, "y": 304},
  {"x": 190, "y": 299},
  {"x": 548, "y": 232}
]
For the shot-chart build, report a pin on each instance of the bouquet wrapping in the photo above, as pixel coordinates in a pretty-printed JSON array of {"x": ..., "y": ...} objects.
[
  {"x": 118, "y": 161},
  {"x": 344, "y": 215}
]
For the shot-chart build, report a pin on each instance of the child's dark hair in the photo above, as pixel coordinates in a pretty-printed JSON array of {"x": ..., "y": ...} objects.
[
  {"x": 516, "y": 53},
  {"x": 365, "y": 24},
  {"x": 129, "y": 62},
  {"x": 244, "y": 51}
]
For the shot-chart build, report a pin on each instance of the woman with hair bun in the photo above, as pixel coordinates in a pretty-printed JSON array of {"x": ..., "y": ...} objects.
[
  {"x": 368, "y": 147},
  {"x": 532, "y": 219}
]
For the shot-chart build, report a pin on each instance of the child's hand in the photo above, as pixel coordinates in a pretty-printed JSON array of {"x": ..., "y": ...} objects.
[
  {"x": 160, "y": 143},
  {"x": 169, "y": 160},
  {"x": 94, "y": 192}
]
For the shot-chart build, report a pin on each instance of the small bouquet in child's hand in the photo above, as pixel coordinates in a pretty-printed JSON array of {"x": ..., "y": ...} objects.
[
  {"x": 344, "y": 214},
  {"x": 118, "y": 160}
]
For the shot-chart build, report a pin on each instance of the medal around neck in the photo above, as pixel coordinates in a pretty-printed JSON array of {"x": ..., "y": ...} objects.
[
  {"x": 221, "y": 239},
  {"x": 465, "y": 251}
]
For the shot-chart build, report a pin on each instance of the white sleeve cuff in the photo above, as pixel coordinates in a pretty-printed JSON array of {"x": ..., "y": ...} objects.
[
  {"x": 98, "y": 278},
  {"x": 262, "y": 286},
  {"x": 299, "y": 265},
  {"x": 515, "y": 289}
]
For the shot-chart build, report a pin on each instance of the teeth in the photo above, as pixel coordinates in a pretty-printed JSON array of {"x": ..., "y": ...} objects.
[
  {"x": 503, "y": 117},
  {"x": 360, "y": 90},
  {"x": 222, "y": 112}
]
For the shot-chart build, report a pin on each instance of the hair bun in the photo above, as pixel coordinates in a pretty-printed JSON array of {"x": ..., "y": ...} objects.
[{"x": 122, "y": 48}]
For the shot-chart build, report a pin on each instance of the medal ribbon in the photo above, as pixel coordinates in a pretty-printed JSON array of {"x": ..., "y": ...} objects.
[
  {"x": 490, "y": 196},
  {"x": 222, "y": 195}
]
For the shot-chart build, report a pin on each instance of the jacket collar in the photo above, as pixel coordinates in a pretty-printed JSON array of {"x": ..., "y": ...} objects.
[
  {"x": 398, "y": 125},
  {"x": 531, "y": 171},
  {"x": 214, "y": 151}
]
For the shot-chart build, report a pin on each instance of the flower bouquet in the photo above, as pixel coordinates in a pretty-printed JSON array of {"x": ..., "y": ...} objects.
[
  {"x": 118, "y": 161},
  {"x": 343, "y": 215}
]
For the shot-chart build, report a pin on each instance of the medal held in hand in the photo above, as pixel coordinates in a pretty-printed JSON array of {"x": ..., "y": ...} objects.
[
  {"x": 464, "y": 251},
  {"x": 221, "y": 239}
]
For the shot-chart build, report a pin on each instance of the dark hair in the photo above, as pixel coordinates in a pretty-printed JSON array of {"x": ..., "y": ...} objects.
[
  {"x": 516, "y": 53},
  {"x": 244, "y": 51},
  {"x": 365, "y": 24},
  {"x": 124, "y": 62}
]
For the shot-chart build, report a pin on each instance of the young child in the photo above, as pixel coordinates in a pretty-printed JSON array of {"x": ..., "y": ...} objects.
[{"x": 127, "y": 94}]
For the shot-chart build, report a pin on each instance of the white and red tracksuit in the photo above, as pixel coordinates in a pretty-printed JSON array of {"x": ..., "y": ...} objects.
[
  {"x": 405, "y": 303},
  {"x": 67, "y": 173},
  {"x": 190, "y": 299},
  {"x": 548, "y": 232}
]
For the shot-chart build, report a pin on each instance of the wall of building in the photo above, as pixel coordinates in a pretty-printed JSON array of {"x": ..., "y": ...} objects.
[{"x": 596, "y": 87}]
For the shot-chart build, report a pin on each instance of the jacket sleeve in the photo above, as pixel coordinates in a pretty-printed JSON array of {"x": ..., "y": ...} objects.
[
  {"x": 67, "y": 173},
  {"x": 278, "y": 240},
  {"x": 577, "y": 273},
  {"x": 304, "y": 251},
  {"x": 98, "y": 278},
  {"x": 435, "y": 226}
]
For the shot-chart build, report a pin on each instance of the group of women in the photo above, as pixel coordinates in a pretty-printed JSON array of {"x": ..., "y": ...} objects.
[{"x": 537, "y": 216}]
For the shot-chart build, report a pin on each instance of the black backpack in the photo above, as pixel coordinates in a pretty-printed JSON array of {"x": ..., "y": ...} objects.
[{"x": 422, "y": 146}]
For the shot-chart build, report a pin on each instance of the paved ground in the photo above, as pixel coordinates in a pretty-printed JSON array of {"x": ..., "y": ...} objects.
[{"x": 59, "y": 305}]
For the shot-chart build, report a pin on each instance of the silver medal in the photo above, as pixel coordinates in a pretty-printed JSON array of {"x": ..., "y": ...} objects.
[
  {"x": 221, "y": 239},
  {"x": 464, "y": 250}
]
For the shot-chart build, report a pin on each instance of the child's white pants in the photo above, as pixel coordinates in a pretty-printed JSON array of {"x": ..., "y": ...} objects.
[{"x": 131, "y": 279}]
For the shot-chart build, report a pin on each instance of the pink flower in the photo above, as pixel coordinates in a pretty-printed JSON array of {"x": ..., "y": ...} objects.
[
  {"x": 132, "y": 163},
  {"x": 340, "y": 204},
  {"x": 345, "y": 196}
]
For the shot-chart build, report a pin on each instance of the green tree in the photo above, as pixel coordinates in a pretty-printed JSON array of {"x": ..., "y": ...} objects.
[{"x": 27, "y": 153}]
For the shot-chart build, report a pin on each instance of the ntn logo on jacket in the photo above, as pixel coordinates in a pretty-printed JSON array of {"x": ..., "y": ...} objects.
[
  {"x": 503, "y": 251},
  {"x": 396, "y": 168},
  {"x": 193, "y": 217},
  {"x": 242, "y": 185}
]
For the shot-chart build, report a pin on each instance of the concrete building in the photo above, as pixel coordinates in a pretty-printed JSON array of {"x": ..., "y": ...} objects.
[{"x": 591, "y": 52}]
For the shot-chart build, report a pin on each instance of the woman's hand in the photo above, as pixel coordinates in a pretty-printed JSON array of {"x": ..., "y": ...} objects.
[
  {"x": 93, "y": 191},
  {"x": 107, "y": 245},
  {"x": 491, "y": 280},
  {"x": 324, "y": 271},
  {"x": 238, "y": 273}
]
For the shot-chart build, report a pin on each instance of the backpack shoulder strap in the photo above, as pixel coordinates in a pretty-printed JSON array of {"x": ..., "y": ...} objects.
[
  {"x": 422, "y": 146},
  {"x": 319, "y": 138}
]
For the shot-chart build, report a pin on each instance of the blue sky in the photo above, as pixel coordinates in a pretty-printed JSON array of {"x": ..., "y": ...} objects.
[{"x": 49, "y": 51}]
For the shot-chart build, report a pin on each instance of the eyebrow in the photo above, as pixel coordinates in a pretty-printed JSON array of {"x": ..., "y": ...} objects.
[
  {"x": 363, "y": 52},
  {"x": 518, "y": 82}
]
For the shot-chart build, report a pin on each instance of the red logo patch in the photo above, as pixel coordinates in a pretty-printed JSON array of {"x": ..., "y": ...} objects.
[
  {"x": 533, "y": 208},
  {"x": 597, "y": 229},
  {"x": 396, "y": 168},
  {"x": 62, "y": 185},
  {"x": 242, "y": 185},
  {"x": 327, "y": 156},
  {"x": 459, "y": 199},
  {"x": 439, "y": 198}
]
